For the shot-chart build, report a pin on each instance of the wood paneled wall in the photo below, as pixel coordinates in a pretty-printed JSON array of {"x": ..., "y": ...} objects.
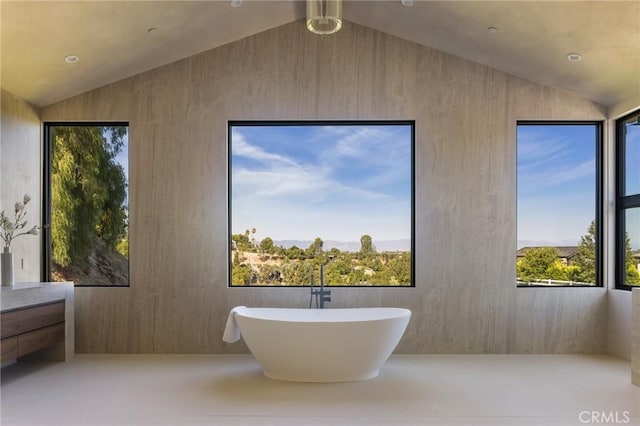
[{"x": 465, "y": 300}]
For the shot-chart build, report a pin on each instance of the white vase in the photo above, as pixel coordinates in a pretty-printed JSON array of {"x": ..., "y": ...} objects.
[{"x": 6, "y": 262}]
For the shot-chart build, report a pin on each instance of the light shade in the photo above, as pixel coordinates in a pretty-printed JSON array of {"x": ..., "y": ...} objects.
[{"x": 324, "y": 16}]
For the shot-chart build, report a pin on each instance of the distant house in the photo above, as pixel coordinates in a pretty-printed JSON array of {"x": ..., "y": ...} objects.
[{"x": 566, "y": 253}]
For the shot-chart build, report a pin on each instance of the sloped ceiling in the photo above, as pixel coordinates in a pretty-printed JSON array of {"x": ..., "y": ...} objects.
[{"x": 113, "y": 41}]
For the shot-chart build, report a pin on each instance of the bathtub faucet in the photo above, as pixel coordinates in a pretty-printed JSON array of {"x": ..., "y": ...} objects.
[{"x": 321, "y": 294}]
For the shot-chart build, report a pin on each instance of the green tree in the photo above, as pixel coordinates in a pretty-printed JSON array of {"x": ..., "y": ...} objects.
[
  {"x": 113, "y": 219},
  {"x": 332, "y": 275},
  {"x": 560, "y": 272},
  {"x": 241, "y": 275},
  {"x": 88, "y": 191},
  {"x": 269, "y": 274},
  {"x": 315, "y": 248},
  {"x": 356, "y": 276},
  {"x": 632, "y": 277},
  {"x": 585, "y": 259},
  {"x": 334, "y": 253},
  {"x": 296, "y": 273},
  {"x": 366, "y": 246},
  {"x": 536, "y": 262},
  {"x": 399, "y": 269},
  {"x": 295, "y": 252},
  {"x": 266, "y": 245},
  {"x": 241, "y": 241},
  {"x": 123, "y": 246}
]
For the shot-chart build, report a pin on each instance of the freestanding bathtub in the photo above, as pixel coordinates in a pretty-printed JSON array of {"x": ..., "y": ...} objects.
[{"x": 322, "y": 345}]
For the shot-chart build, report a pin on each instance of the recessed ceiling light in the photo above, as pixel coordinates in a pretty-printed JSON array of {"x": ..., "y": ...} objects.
[
  {"x": 407, "y": 3},
  {"x": 236, "y": 3},
  {"x": 574, "y": 57},
  {"x": 492, "y": 30},
  {"x": 71, "y": 59}
]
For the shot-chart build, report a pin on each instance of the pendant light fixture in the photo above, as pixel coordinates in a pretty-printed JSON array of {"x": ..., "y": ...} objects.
[{"x": 324, "y": 16}]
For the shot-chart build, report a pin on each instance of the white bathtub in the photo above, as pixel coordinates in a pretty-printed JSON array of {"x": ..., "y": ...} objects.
[{"x": 322, "y": 345}]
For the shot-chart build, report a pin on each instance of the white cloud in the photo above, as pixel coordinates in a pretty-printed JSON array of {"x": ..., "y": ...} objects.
[
  {"x": 545, "y": 161},
  {"x": 284, "y": 182},
  {"x": 561, "y": 175},
  {"x": 374, "y": 146},
  {"x": 306, "y": 184},
  {"x": 283, "y": 176},
  {"x": 242, "y": 148},
  {"x": 538, "y": 148},
  {"x": 577, "y": 171}
]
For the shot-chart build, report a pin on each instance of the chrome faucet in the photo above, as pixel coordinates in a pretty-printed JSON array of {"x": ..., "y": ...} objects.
[{"x": 321, "y": 294}]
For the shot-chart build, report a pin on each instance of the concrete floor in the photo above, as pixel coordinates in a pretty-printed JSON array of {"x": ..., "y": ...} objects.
[{"x": 178, "y": 390}]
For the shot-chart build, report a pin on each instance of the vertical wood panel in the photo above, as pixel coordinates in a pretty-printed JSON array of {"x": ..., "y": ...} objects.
[{"x": 465, "y": 300}]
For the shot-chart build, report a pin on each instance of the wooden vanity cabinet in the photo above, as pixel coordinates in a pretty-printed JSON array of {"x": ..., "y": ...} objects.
[{"x": 31, "y": 328}]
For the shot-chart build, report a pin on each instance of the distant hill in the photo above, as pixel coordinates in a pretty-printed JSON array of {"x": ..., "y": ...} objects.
[
  {"x": 546, "y": 243},
  {"x": 105, "y": 266},
  {"x": 351, "y": 246}
]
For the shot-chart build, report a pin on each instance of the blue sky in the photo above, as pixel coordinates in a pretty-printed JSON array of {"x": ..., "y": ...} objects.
[
  {"x": 332, "y": 182},
  {"x": 556, "y": 183}
]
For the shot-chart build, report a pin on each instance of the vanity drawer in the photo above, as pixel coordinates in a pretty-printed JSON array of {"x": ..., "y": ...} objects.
[
  {"x": 30, "y": 329},
  {"x": 40, "y": 339},
  {"x": 40, "y": 316},
  {"x": 9, "y": 324}
]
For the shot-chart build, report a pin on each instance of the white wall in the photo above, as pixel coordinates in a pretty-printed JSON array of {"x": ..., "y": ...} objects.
[
  {"x": 20, "y": 173},
  {"x": 619, "y": 324}
]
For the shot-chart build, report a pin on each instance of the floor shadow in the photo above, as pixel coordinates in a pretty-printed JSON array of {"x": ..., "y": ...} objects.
[
  {"x": 250, "y": 385},
  {"x": 20, "y": 370}
]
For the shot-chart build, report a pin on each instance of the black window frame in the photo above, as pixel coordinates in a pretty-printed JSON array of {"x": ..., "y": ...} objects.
[
  {"x": 411, "y": 123},
  {"x": 599, "y": 188},
  {"x": 47, "y": 155},
  {"x": 623, "y": 202}
]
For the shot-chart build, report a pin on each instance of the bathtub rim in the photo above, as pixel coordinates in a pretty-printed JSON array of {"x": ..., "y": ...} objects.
[{"x": 399, "y": 313}]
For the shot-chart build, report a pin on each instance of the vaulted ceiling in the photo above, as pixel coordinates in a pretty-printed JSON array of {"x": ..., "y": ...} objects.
[{"x": 115, "y": 40}]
